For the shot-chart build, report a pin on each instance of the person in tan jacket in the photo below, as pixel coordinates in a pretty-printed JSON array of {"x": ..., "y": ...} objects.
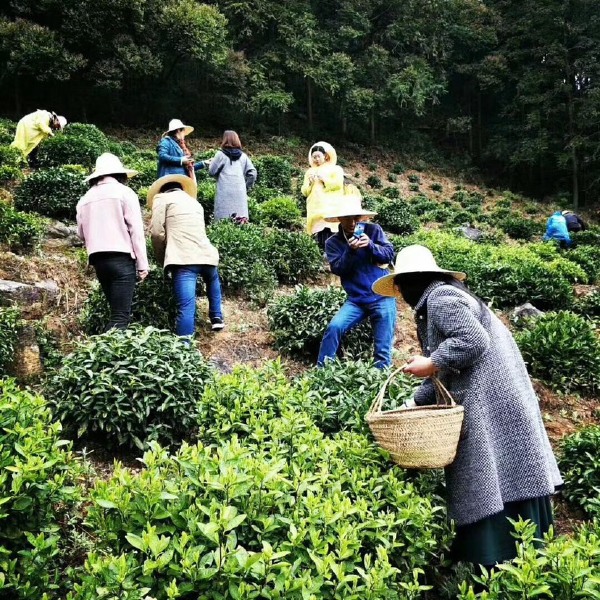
[{"x": 181, "y": 246}]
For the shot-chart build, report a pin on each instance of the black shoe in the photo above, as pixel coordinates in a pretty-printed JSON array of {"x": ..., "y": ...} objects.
[{"x": 217, "y": 323}]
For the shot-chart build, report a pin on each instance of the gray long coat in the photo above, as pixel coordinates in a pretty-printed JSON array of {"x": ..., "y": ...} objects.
[
  {"x": 234, "y": 178},
  {"x": 504, "y": 454}
]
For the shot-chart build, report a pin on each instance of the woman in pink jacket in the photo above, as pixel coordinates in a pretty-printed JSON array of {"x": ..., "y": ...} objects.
[{"x": 109, "y": 221}]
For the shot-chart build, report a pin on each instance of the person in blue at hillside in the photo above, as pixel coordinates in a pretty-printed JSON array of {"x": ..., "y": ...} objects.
[
  {"x": 360, "y": 254},
  {"x": 174, "y": 157},
  {"x": 556, "y": 230}
]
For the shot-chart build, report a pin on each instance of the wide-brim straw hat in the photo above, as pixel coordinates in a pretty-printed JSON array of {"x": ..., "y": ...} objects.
[
  {"x": 187, "y": 183},
  {"x": 412, "y": 259},
  {"x": 329, "y": 150},
  {"x": 109, "y": 164},
  {"x": 175, "y": 124},
  {"x": 351, "y": 208}
]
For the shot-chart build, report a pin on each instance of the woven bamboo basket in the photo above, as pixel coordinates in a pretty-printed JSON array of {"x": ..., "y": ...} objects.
[{"x": 424, "y": 437}]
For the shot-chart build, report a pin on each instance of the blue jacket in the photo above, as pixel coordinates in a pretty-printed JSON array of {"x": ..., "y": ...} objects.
[
  {"x": 358, "y": 269},
  {"x": 556, "y": 229},
  {"x": 170, "y": 157}
]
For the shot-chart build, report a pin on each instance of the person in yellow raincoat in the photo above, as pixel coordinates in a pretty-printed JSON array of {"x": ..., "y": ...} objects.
[
  {"x": 324, "y": 190},
  {"x": 33, "y": 129}
]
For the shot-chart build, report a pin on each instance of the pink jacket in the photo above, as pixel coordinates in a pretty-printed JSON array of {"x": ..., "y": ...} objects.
[{"x": 109, "y": 219}]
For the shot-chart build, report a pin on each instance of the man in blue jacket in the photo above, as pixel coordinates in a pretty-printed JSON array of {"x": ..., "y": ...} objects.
[{"x": 360, "y": 253}]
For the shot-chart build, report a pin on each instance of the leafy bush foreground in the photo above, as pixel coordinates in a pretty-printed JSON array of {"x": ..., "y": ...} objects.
[{"x": 131, "y": 386}]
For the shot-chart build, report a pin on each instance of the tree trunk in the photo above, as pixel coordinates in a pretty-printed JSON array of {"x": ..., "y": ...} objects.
[
  {"x": 373, "y": 125},
  {"x": 309, "y": 104},
  {"x": 17, "y": 97}
]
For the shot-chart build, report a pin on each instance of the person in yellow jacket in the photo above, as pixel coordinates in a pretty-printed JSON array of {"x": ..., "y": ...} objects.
[
  {"x": 33, "y": 129},
  {"x": 324, "y": 190}
]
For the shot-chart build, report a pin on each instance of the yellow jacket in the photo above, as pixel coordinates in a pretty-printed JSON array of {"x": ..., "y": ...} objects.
[
  {"x": 324, "y": 195},
  {"x": 32, "y": 130}
]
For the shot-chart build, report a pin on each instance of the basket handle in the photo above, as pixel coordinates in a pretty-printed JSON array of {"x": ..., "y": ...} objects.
[{"x": 442, "y": 395}]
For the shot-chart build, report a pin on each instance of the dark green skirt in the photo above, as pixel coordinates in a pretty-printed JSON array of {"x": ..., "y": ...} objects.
[{"x": 489, "y": 541}]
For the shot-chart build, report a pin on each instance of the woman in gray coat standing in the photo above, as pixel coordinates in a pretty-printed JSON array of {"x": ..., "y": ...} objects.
[
  {"x": 235, "y": 175},
  {"x": 504, "y": 467}
]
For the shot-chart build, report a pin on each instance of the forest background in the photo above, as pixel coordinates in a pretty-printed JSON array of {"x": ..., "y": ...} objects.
[{"x": 511, "y": 88}]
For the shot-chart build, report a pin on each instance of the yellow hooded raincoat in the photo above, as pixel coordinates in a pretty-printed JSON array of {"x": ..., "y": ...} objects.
[
  {"x": 324, "y": 195},
  {"x": 32, "y": 130}
]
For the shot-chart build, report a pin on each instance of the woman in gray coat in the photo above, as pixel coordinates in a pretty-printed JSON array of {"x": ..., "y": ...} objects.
[
  {"x": 235, "y": 175},
  {"x": 504, "y": 467}
]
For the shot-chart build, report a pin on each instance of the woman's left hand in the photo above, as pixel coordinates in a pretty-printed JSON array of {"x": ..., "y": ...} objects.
[{"x": 420, "y": 366}]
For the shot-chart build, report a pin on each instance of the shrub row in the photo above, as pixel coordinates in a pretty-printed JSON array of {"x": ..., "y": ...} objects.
[
  {"x": 563, "y": 349},
  {"x": 264, "y": 506},
  {"x": 253, "y": 258},
  {"x": 505, "y": 275}
]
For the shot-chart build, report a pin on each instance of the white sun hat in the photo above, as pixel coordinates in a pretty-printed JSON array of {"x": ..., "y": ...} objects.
[
  {"x": 187, "y": 183},
  {"x": 412, "y": 259},
  {"x": 175, "y": 124},
  {"x": 109, "y": 164},
  {"x": 61, "y": 121},
  {"x": 352, "y": 207}
]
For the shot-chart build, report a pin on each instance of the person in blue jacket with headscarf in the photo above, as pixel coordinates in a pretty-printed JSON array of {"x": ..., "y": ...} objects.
[
  {"x": 174, "y": 157},
  {"x": 556, "y": 229}
]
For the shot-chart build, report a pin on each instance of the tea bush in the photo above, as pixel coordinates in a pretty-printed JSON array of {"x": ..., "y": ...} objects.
[
  {"x": 75, "y": 149},
  {"x": 413, "y": 187},
  {"x": 262, "y": 194},
  {"x": 341, "y": 392},
  {"x": 242, "y": 266},
  {"x": 589, "y": 237},
  {"x": 391, "y": 192},
  {"x": 398, "y": 169},
  {"x": 51, "y": 192},
  {"x": 563, "y": 567},
  {"x": 270, "y": 509},
  {"x": 280, "y": 212},
  {"x": 153, "y": 304},
  {"x": 374, "y": 181},
  {"x": 568, "y": 270},
  {"x": 506, "y": 275},
  {"x": 588, "y": 305},
  {"x": 10, "y": 174},
  {"x": 519, "y": 228},
  {"x": 130, "y": 386},
  {"x": 274, "y": 172},
  {"x": 38, "y": 487},
  {"x": 414, "y": 179},
  {"x": 92, "y": 133},
  {"x": 295, "y": 257},
  {"x": 10, "y": 319},
  {"x": 254, "y": 259},
  {"x": 298, "y": 323},
  {"x": 392, "y": 178},
  {"x": 437, "y": 187},
  {"x": 12, "y": 157},
  {"x": 579, "y": 464},
  {"x": 206, "y": 197},
  {"x": 372, "y": 167},
  {"x": 588, "y": 258},
  {"x": 7, "y": 131},
  {"x": 397, "y": 217},
  {"x": 21, "y": 232},
  {"x": 564, "y": 350},
  {"x": 146, "y": 168}
]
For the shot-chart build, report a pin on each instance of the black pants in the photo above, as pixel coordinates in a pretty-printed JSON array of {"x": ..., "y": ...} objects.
[{"x": 116, "y": 273}]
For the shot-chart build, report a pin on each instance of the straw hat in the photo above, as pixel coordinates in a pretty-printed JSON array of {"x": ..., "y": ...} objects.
[
  {"x": 412, "y": 259},
  {"x": 187, "y": 183},
  {"x": 109, "y": 164},
  {"x": 351, "y": 208},
  {"x": 329, "y": 150},
  {"x": 175, "y": 124}
]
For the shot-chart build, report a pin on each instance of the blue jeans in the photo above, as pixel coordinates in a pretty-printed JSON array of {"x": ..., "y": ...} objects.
[
  {"x": 383, "y": 320},
  {"x": 184, "y": 287}
]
